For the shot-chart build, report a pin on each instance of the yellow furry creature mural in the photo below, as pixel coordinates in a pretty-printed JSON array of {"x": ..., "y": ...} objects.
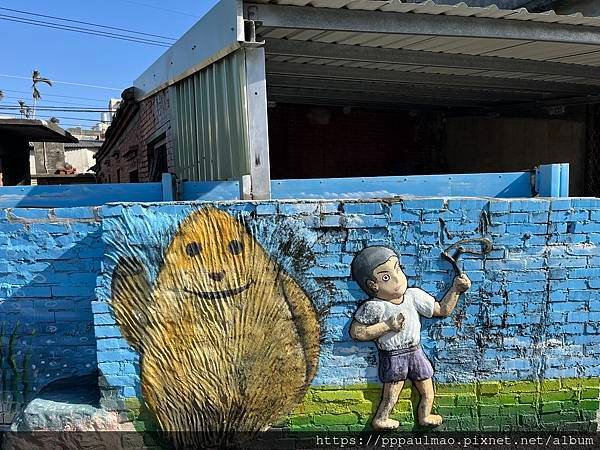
[{"x": 228, "y": 341}]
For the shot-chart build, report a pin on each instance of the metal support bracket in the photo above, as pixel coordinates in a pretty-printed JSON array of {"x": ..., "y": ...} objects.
[{"x": 250, "y": 35}]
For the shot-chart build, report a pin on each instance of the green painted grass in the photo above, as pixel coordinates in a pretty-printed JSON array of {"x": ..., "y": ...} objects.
[
  {"x": 566, "y": 405},
  {"x": 559, "y": 405}
]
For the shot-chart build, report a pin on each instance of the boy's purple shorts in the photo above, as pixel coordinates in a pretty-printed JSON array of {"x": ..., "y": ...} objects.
[{"x": 398, "y": 365}]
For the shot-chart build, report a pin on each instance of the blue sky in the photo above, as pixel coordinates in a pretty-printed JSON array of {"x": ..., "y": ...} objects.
[{"x": 84, "y": 59}]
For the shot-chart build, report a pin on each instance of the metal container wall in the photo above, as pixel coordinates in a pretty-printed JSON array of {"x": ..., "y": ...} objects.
[{"x": 211, "y": 122}]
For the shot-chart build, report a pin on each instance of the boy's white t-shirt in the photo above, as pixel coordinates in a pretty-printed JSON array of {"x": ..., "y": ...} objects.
[{"x": 416, "y": 302}]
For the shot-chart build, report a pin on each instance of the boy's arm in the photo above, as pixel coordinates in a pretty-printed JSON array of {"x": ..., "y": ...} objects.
[
  {"x": 445, "y": 307},
  {"x": 361, "y": 332}
]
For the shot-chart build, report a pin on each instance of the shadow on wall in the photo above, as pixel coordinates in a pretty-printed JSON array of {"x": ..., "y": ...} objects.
[{"x": 49, "y": 261}]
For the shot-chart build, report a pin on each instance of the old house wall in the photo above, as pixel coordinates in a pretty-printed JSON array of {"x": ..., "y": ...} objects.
[
  {"x": 520, "y": 352},
  {"x": 126, "y": 159},
  {"x": 49, "y": 156},
  {"x": 49, "y": 261}
]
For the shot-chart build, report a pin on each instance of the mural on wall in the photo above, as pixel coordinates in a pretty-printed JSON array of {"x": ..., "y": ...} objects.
[
  {"x": 15, "y": 383},
  {"x": 228, "y": 341},
  {"x": 391, "y": 318},
  {"x": 518, "y": 353}
]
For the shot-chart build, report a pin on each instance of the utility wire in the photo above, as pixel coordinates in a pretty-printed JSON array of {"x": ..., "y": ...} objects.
[
  {"x": 51, "y": 108},
  {"x": 63, "y": 27},
  {"x": 161, "y": 9},
  {"x": 79, "y": 118},
  {"x": 81, "y": 31},
  {"x": 76, "y": 118},
  {"x": 64, "y": 82},
  {"x": 87, "y": 23},
  {"x": 60, "y": 102},
  {"x": 56, "y": 95}
]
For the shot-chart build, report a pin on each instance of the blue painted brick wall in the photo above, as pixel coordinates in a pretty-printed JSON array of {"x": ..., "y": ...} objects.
[
  {"x": 533, "y": 311},
  {"x": 49, "y": 261}
]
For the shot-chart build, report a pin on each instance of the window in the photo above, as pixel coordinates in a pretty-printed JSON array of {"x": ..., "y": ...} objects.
[{"x": 157, "y": 158}]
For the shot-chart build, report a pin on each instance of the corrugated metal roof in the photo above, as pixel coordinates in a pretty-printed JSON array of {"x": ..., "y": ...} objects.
[
  {"x": 571, "y": 53},
  {"x": 430, "y": 7},
  {"x": 84, "y": 143},
  {"x": 537, "y": 60}
]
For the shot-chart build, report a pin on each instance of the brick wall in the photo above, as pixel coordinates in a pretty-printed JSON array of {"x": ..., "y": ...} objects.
[
  {"x": 129, "y": 151},
  {"x": 325, "y": 142},
  {"x": 49, "y": 261},
  {"x": 154, "y": 115},
  {"x": 520, "y": 351},
  {"x": 127, "y": 155}
]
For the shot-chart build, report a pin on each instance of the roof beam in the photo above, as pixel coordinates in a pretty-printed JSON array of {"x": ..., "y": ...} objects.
[
  {"x": 457, "y": 93},
  {"x": 448, "y": 109},
  {"x": 419, "y": 78},
  {"x": 537, "y": 105},
  {"x": 284, "y": 47},
  {"x": 331, "y": 19},
  {"x": 321, "y": 96}
]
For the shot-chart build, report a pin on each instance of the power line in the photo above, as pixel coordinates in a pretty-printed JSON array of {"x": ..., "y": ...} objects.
[
  {"x": 67, "y": 120},
  {"x": 60, "y": 26},
  {"x": 60, "y": 102},
  {"x": 52, "y": 108},
  {"x": 65, "y": 82},
  {"x": 162, "y": 9},
  {"x": 87, "y": 23},
  {"x": 80, "y": 118},
  {"x": 56, "y": 95},
  {"x": 81, "y": 31}
]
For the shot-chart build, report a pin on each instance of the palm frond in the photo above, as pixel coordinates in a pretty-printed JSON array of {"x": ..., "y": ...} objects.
[
  {"x": 36, "y": 93},
  {"x": 1, "y": 95}
]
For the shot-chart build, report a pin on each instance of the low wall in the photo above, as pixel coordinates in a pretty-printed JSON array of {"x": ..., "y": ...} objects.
[
  {"x": 49, "y": 262},
  {"x": 520, "y": 351}
]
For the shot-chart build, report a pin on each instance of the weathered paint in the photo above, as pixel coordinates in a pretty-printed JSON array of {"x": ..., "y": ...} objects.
[
  {"x": 499, "y": 185},
  {"x": 49, "y": 262},
  {"x": 61, "y": 196},
  {"x": 569, "y": 404},
  {"x": 227, "y": 339},
  {"x": 531, "y": 316}
]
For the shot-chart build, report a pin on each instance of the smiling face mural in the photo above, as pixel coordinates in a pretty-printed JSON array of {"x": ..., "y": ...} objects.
[{"x": 228, "y": 340}]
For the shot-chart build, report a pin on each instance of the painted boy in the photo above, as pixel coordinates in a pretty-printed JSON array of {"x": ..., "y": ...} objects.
[{"x": 391, "y": 318}]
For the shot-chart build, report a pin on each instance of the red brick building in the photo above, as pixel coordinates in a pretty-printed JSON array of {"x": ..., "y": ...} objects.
[{"x": 139, "y": 142}]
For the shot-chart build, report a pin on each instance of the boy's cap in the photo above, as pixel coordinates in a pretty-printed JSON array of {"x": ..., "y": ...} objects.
[{"x": 366, "y": 261}]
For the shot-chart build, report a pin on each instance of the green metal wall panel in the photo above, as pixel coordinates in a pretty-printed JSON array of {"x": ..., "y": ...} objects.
[{"x": 211, "y": 122}]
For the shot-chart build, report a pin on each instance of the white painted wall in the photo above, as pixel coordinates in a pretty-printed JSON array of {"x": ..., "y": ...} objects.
[{"x": 80, "y": 158}]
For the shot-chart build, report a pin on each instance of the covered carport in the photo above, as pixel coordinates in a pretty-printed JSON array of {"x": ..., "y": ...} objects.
[
  {"x": 483, "y": 89},
  {"x": 296, "y": 89}
]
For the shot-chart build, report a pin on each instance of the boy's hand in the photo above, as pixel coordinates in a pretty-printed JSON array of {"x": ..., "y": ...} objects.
[
  {"x": 396, "y": 323},
  {"x": 461, "y": 284}
]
